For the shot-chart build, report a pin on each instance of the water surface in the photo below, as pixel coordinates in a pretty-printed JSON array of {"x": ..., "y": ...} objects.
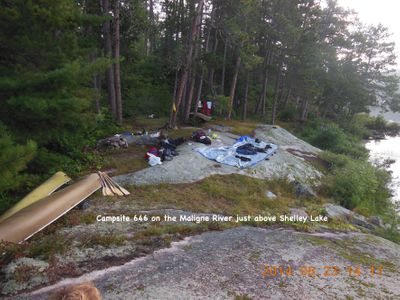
[{"x": 387, "y": 149}]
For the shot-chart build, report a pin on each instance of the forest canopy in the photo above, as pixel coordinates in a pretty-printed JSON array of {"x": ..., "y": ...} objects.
[{"x": 73, "y": 71}]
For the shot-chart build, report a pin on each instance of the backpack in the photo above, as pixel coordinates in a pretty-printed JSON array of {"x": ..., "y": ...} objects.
[{"x": 200, "y": 137}]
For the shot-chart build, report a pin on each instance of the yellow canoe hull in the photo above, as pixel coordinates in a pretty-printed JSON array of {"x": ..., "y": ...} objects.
[
  {"x": 42, "y": 213},
  {"x": 42, "y": 191}
]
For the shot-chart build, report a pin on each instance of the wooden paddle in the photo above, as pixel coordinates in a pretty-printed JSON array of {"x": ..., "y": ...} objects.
[
  {"x": 119, "y": 190},
  {"x": 123, "y": 190},
  {"x": 106, "y": 190},
  {"x": 114, "y": 189}
]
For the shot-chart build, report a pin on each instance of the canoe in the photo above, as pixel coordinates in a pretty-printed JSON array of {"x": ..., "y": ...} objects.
[
  {"x": 42, "y": 191},
  {"x": 33, "y": 218}
]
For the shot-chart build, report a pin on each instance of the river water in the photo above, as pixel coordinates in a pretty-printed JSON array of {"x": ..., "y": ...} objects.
[{"x": 388, "y": 148}]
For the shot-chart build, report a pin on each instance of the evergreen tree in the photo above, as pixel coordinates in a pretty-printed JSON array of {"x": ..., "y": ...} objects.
[{"x": 46, "y": 79}]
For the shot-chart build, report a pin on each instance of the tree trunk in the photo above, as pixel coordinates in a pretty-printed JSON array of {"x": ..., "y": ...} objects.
[
  {"x": 233, "y": 86},
  {"x": 188, "y": 107},
  {"x": 224, "y": 68},
  {"x": 186, "y": 67},
  {"x": 200, "y": 87},
  {"x": 189, "y": 101},
  {"x": 97, "y": 87},
  {"x": 176, "y": 82},
  {"x": 117, "y": 72},
  {"x": 108, "y": 53},
  {"x": 246, "y": 94},
  {"x": 212, "y": 69},
  {"x": 152, "y": 34},
  {"x": 264, "y": 83},
  {"x": 185, "y": 92},
  {"x": 199, "y": 90},
  {"x": 276, "y": 95},
  {"x": 264, "y": 103},
  {"x": 304, "y": 110},
  {"x": 287, "y": 96},
  {"x": 261, "y": 100},
  {"x": 297, "y": 102}
]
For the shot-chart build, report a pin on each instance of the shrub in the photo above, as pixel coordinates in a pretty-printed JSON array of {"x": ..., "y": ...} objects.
[
  {"x": 357, "y": 126},
  {"x": 335, "y": 160},
  {"x": 393, "y": 129},
  {"x": 13, "y": 160},
  {"x": 358, "y": 185},
  {"x": 378, "y": 123},
  {"x": 288, "y": 114},
  {"x": 327, "y": 135},
  {"x": 48, "y": 246},
  {"x": 221, "y": 105},
  {"x": 49, "y": 163},
  {"x": 391, "y": 234}
]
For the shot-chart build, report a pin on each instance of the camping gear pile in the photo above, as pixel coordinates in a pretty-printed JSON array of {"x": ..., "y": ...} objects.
[
  {"x": 114, "y": 142},
  {"x": 124, "y": 139},
  {"x": 165, "y": 152},
  {"x": 246, "y": 152}
]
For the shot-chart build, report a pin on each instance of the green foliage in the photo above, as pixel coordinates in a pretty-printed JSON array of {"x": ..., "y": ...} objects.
[
  {"x": 45, "y": 249},
  {"x": 353, "y": 181},
  {"x": 47, "y": 99},
  {"x": 149, "y": 89},
  {"x": 48, "y": 246},
  {"x": 51, "y": 51},
  {"x": 327, "y": 135},
  {"x": 378, "y": 123},
  {"x": 104, "y": 126},
  {"x": 358, "y": 185},
  {"x": 335, "y": 160},
  {"x": 13, "y": 159},
  {"x": 357, "y": 126},
  {"x": 391, "y": 234},
  {"x": 220, "y": 104},
  {"x": 288, "y": 114},
  {"x": 50, "y": 162}
]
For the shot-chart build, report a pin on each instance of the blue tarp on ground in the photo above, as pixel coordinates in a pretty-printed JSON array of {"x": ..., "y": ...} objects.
[{"x": 227, "y": 154}]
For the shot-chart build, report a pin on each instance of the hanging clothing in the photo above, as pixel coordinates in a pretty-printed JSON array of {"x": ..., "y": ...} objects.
[{"x": 207, "y": 107}]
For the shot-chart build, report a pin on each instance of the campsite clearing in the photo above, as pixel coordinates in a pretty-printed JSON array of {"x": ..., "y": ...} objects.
[
  {"x": 191, "y": 185},
  {"x": 191, "y": 166}
]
